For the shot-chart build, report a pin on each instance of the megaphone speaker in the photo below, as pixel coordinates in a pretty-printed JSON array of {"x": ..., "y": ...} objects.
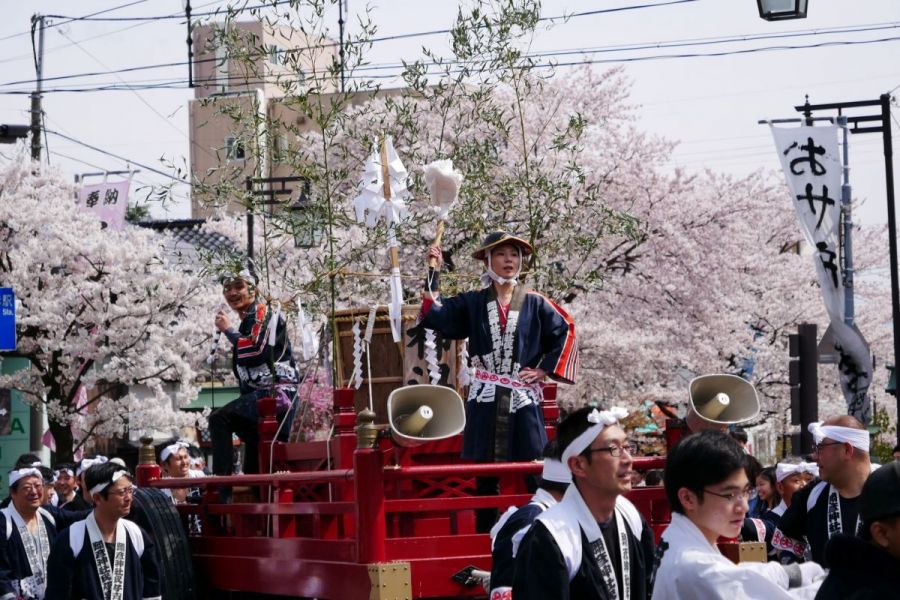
[
  {"x": 418, "y": 414},
  {"x": 723, "y": 399}
]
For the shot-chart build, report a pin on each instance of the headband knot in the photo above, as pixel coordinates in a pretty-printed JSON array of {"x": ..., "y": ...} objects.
[
  {"x": 87, "y": 463},
  {"x": 858, "y": 438}
]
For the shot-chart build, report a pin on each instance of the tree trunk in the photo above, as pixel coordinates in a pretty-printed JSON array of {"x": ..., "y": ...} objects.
[{"x": 64, "y": 441}]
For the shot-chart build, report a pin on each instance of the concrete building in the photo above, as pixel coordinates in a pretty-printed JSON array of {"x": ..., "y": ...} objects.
[{"x": 240, "y": 123}]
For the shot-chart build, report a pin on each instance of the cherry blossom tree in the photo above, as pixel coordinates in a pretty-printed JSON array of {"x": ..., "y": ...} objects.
[{"x": 101, "y": 312}]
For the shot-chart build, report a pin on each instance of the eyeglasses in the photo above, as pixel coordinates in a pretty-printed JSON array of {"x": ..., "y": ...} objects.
[
  {"x": 122, "y": 492},
  {"x": 818, "y": 447},
  {"x": 733, "y": 497},
  {"x": 31, "y": 487},
  {"x": 615, "y": 451}
]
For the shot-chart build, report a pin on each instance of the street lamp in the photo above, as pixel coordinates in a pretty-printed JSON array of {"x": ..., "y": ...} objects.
[
  {"x": 307, "y": 233},
  {"x": 781, "y": 10}
]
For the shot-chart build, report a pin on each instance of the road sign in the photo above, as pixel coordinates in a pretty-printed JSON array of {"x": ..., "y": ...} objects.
[{"x": 7, "y": 319}]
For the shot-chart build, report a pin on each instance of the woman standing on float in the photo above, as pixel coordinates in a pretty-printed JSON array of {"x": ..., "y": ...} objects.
[{"x": 517, "y": 337}]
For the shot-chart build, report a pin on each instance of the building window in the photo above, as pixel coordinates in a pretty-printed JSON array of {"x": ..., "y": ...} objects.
[
  {"x": 276, "y": 55},
  {"x": 234, "y": 149}
]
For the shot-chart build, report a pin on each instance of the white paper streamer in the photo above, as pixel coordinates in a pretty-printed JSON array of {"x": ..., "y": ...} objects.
[
  {"x": 431, "y": 358},
  {"x": 464, "y": 377},
  {"x": 370, "y": 203},
  {"x": 356, "y": 377}
]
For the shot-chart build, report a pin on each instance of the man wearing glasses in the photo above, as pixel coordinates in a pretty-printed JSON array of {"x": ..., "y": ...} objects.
[
  {"x": 105, "y": 556},
  {"x": 708, "y": 489},
  {"x": 26, "y": 531},
  {"x": 593, "y": 545},
  {"x": 819, "y": 512}
]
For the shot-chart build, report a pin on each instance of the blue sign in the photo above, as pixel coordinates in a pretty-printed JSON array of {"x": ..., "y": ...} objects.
[{"x": 7, "y": 319}]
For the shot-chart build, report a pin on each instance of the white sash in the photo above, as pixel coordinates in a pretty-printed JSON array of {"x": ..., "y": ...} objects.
[
  {"x": 606, "y": 566},
  {"x": 36, "y": 585},
  {"x": 112, "y": 577},
  {"x": 835, "y": 525}
]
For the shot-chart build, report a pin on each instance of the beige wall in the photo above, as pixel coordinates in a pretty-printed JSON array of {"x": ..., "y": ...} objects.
[{"x": 223, "y": 107}]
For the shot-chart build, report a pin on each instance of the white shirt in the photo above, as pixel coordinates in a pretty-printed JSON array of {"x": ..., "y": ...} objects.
[{"x": 692, "y": 568}]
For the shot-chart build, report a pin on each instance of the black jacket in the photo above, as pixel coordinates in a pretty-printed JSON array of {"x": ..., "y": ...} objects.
[{"x": 860, "y": 570}]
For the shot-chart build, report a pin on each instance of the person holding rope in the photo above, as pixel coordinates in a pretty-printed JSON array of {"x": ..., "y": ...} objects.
[
  {"x": 263, "y": 363},
  {"x": 517, "y": 338}
]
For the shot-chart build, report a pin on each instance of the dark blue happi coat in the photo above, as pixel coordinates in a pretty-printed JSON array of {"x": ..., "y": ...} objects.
[
  {"x": 72, "y": 572},
  {"x": 503, "y": 415},
  {"x": 14, "y": 565}
]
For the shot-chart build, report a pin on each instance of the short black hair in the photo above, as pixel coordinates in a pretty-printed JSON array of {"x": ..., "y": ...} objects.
[
  {"x": 27, "y": 460},
  {"x": 551, "y": 451},
  {"x": 654, "y": 477},
  {"x": 66, "y": 465},
  {"x": 896, "y": 448},
  {"x": 740, "y": 435},
  {"x": 572, "y": 426},
  {"x": 700, "y": 460},
  {"x": 46, "y": 474},
  {"x": 754, "y": 467},
  {"x": 103, "y": 473}
]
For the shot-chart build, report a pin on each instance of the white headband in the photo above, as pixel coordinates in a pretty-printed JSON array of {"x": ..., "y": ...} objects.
[
  {"x": 63, "y": 470},
  {"x": 783, "y": 470},
  {"x": 87, "y": 463},
  {"x": 15, "y": 476},
  {"x": 600, "y": 420},
  {"x": 105, "y": 484},
  {"x": 858, "y": 438},
  {"x": 172, "y": 449},
  {"x": 556, "y": 472}
]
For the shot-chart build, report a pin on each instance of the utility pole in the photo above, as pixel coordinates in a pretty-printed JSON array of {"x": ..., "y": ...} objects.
[
  {"x": 804, "y": 382},
  {"x": 341, "y": 49},
  {"x": 36, "y": 414},
  {"x": 37, "y": 25}
]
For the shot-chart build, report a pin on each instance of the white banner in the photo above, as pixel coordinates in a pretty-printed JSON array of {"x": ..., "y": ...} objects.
[
  {"x": 107, "y": 200},
  {"x": 812, "y": 166}
]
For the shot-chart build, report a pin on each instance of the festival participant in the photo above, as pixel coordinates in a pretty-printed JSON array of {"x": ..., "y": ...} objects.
[
  {"x": 66, "y": 485},
  {"x": 105, "y": 556},
  {"x": 507, "y": 534},
  {"x": 25, "y": 461},
  {"x": 263, "y": 364},
  {"x": 766, "y": 491},
  {"x": 820, "y": 511},
  {"x": 517, "y": 337},
  {"x": 175, "y": 461},
  {"x": 897, "y": 452},
  {"x": 26, "y": 531},
  {"x": 788, "y": 479},
  {"x": 85, "y": 464},
  {"x": 707, "y": 487},
  {"x": 868, "y": 567},
  {"x": 594, "y": 544}
]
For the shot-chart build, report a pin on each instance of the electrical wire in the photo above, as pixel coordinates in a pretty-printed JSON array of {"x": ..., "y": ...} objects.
[
  {"x": 214, "y": 13},
  {"x": 123, "y": 158},
  {"x": 737, "y": 38},
  {"x": 106, "y": 10},
  {"x": 174, "y": 84}
]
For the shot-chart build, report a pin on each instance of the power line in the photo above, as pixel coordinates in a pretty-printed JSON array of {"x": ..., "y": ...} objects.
[
  {"x": 174, "y": 84},
  {"x": 100, "y": 12},
  {"x": 134, "y": 162},
  {"x": 178, "y": 16},
  {"x": 546, "y": 54}
]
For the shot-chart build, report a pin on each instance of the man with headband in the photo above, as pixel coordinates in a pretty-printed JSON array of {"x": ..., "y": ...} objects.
[
  {"x": 516, "y": 338},
  {"x": 819, "y": 512},
  {"x": 507, "y": 534},
  {"x": 66, "y": 484},
  {"x": 263, "y": 363},
  {"x": 594, "y": 544},
  {"x": 175, "y": 461},
  {"x": 26, "y": 531},
  {"x": 789, "y": 479},
  {"x": 105, "y": 556}
]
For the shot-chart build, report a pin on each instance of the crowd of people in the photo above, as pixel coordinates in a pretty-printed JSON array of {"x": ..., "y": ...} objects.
[{"x": 831, "y": 527}]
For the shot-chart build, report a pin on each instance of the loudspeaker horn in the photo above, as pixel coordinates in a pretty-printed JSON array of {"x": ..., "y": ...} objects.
[
  {"x": 723, "y": 399},
  {"x": 418, "y": 414}
]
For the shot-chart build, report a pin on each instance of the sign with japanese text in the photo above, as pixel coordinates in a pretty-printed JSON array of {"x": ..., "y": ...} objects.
[
  {"x": 811, "y": 163},
  {"x": 107, "y": 200},
  {"x": 7, "y": 319}
]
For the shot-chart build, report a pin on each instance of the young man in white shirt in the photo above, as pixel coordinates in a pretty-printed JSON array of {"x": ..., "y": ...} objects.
[{"x": 708, "y": 489}]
